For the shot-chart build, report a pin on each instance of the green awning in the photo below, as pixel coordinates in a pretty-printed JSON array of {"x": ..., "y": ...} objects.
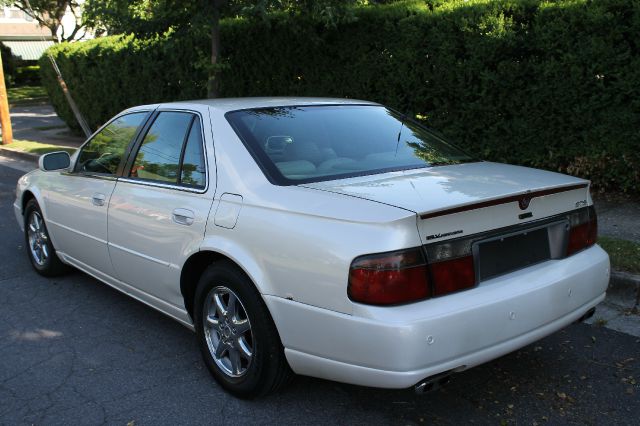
[{"x": 27, "y": 50}]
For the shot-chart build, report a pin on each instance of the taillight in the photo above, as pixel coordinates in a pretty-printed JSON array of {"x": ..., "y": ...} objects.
[
  {"x": 583, "y": 230},
  {"x": 451, "y": 266},
  {"x": 453, "y": 275},
  {"x": 405, "y": 276},
  {"x": 389, "y": 278}
]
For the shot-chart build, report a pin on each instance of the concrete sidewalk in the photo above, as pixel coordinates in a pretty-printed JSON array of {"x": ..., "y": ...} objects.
[
  {"x": 40, "y": 123},
  {"x": 618, "y": 218}
]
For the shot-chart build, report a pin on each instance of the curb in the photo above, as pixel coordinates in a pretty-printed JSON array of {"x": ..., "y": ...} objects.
[
  {"x": 625, "y": 286},
  {"x": 19, "y": 155}
]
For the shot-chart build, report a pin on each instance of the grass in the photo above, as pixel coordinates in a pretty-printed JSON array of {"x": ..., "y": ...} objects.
[
  {"x": 601, "y": 322},
  {"x": 26, "y": 95},
  {"x": 624, "y": 255},
  {"x": 36, "y": 148}
]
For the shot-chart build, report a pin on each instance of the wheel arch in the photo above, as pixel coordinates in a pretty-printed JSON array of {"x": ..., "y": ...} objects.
[
  {"x": 33, "y": 193},
  {"x": 26, "y": 197},
  {"x": 196, "y": 264}
]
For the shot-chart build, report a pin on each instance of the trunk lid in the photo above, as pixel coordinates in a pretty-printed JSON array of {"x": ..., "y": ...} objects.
[{"x": 464, "y": 199}]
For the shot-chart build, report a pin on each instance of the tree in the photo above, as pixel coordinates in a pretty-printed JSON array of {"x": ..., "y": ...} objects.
[
  {"x": 49, "y": 14},
  {"x": 148, "y": 17}
]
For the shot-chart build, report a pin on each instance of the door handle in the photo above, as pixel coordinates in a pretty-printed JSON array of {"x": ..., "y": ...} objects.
[
  {"x": 183, "y": 216},
  {"x": 98, "y": 199}
]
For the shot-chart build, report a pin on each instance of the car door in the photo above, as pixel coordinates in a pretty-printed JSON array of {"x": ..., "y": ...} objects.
[
  {"x": 77, "y": 200},
  {"x": 159, "y": 208}
]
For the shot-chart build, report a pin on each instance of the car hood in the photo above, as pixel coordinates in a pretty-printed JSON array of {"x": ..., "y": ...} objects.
[{"x": 444, "y": 187}]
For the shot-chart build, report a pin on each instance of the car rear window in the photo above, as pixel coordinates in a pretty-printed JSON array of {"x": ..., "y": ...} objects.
[{"x": 299, "y": 144}]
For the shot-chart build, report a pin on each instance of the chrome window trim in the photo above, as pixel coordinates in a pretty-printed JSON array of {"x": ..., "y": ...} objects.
[
  {"x": 163, "y": 185},
  {"x": 185, "y": 188},
  {"x": 100, "y": 176}
]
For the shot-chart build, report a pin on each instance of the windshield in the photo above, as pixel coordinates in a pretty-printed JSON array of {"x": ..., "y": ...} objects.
[{"x": 300, "y": 144}]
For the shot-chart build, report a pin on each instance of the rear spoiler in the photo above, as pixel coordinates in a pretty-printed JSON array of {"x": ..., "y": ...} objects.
[{"x": 522, "y": 199}]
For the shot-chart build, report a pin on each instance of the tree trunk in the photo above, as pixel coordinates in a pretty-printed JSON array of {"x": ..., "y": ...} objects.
[{"x": 213, "y": 84}]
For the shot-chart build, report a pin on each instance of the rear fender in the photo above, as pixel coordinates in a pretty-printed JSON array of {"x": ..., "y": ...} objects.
[{"x": 241, "y": 257}]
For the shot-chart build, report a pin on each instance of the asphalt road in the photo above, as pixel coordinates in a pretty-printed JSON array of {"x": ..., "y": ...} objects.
[{"x": 75, "y": 351}]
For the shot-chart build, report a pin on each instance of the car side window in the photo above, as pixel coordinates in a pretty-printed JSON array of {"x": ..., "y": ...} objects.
[
  {"x": 103, "y": 153},
  {"x": 193, "y": 172},
  {"x": 171, "y": 151}
]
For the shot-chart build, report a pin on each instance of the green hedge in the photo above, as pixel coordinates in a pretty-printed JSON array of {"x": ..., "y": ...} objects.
[
  {"x": 28, "y": 75},
  {"x": 8, "y": 64},
  {"x": 551, "y": 84}
]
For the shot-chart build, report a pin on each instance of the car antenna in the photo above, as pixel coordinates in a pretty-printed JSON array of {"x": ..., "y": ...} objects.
[{"x": 402, "y": 117}]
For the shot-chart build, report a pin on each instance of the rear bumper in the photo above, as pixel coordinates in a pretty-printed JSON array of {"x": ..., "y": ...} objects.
[{"x": 396, "y": 347}]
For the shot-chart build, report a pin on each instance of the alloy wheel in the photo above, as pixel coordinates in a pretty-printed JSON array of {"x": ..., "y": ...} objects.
[
  {"x": 38, "y": 239},
  {"x": 227, "y": 330}
]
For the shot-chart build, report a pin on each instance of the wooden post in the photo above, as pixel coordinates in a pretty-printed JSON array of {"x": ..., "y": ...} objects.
[
  {"x": 76, "y": 111},
  {"x": 5, "y": 119}
]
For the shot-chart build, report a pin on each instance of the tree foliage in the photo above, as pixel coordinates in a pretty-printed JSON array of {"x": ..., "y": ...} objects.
[
  {"x": 49, "y": 14},
  {"x": 152, "y": 17},
  {"x": 8, "y": 64}
]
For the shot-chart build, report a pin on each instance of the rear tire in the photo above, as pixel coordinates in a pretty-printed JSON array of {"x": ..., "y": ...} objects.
[
  {"x": 40, "y": 249},
  {"x": 236, "y": 334}
]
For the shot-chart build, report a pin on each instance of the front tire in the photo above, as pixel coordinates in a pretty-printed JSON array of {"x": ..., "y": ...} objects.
[
  {"x": 40, "y": 249},
  {"x": 236, "y": 334}
]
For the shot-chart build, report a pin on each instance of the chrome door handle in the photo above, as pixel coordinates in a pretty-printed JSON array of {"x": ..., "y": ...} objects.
[
  {"x": 183, "y": 216},
  {"x": 98, "y": 199}
]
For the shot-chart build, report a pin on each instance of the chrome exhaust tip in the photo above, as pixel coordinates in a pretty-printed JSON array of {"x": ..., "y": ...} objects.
[
  {"x": 433, "y": 383},
  {"x": 587, "y": 315}
]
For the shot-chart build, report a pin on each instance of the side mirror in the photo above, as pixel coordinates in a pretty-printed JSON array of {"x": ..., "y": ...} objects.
[{"x": 54, "y": 161}]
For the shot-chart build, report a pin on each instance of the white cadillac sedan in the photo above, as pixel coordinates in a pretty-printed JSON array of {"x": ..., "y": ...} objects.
[{"x": 333, "y": 238}]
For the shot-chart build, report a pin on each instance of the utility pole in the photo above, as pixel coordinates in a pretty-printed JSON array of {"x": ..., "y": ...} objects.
[{"x": 5, "y": 119}]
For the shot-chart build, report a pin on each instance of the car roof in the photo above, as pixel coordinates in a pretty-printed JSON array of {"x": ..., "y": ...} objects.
[{"x": 231, "y": 104}]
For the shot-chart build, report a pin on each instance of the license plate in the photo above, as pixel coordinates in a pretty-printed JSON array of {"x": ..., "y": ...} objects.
[{"x": 500, "y": 255}]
